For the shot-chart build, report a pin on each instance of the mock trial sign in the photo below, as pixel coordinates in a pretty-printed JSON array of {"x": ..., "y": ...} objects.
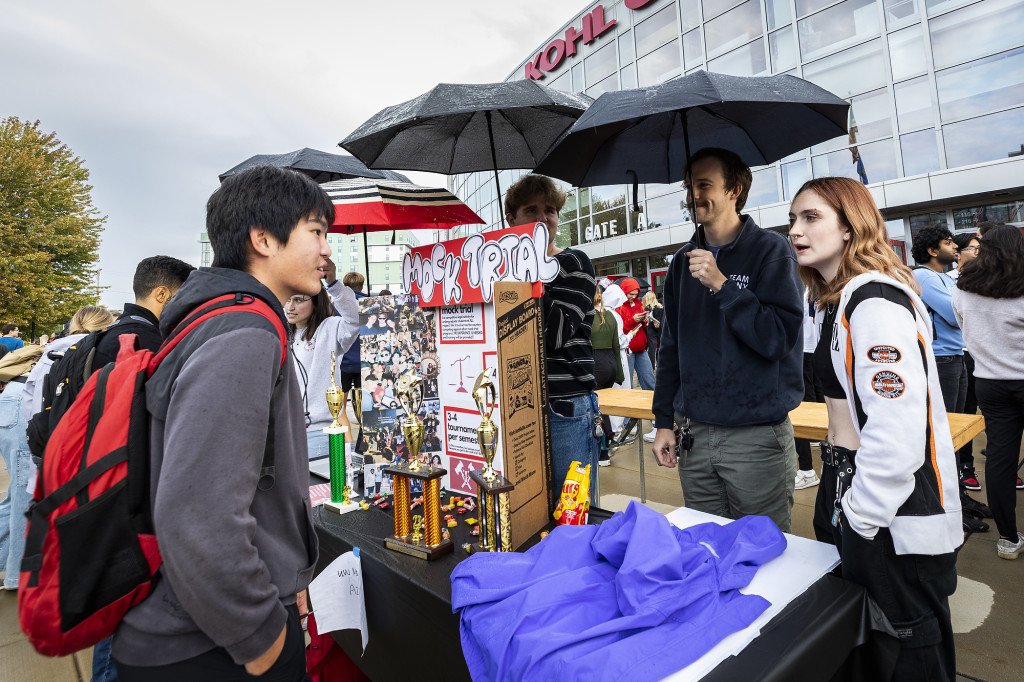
[{"x": 465, "y": 270}]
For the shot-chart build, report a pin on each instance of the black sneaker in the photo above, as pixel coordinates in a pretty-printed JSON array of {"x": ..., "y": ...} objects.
[
  {"x": 969, "y": 479},
  {"x": 974, "y": 508},
  {"x": 604, "y": 460},
  {"x": 972, "y": 525}
]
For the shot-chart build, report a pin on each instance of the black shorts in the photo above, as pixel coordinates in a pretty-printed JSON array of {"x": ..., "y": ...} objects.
[{"x": 349, "y": 379}]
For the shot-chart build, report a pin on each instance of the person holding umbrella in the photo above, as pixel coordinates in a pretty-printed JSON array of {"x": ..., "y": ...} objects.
[
  {"x": 731, "y": 362},
  {"x": 888, "y": 495},
  {"x": 568, "y": 315}
]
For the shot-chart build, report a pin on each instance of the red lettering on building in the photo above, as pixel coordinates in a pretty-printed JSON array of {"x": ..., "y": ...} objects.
[
  {"x": 548, "y": 63},
  {"x": 532, "y": 72},
  {"x": 572, "y": 37},
  {"x": 600, "y": 28},
  {"x": 637, "y": 4}
]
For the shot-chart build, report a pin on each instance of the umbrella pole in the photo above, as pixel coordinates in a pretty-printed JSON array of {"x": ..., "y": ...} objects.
[
  {"x": 494, "y": 161},
  {"x": 366, "y": 260},
  {"x": 689, "y": 191}
]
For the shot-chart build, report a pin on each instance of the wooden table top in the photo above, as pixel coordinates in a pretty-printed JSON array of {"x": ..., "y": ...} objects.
[{"x": 810, "y": 420}]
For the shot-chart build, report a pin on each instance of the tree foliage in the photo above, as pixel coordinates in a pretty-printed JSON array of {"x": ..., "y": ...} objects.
[{"x": 49, "y": 229}]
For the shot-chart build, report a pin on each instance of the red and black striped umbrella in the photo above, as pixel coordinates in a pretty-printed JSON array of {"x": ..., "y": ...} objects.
[{"x": 363, "y": 204}]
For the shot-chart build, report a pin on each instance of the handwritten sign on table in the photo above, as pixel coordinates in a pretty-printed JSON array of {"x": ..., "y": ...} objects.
[{"x": 337, "y": 596}]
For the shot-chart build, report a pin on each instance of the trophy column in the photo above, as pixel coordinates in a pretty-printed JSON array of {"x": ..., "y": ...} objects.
[
  {"x": 492, "y": 488},
  {"x": 341, "y": 493}
]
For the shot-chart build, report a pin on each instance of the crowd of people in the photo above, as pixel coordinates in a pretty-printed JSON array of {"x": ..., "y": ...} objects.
[{"x": 748, "y": 324}]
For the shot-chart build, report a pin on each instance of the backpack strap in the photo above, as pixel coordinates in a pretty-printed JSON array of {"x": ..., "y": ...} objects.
[{"x": 231, "y": 303}]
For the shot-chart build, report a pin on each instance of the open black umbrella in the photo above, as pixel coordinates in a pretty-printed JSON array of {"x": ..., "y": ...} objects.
[
  {"x": 648, "y": 134},
  {"x": 466, "y": 128},
  {"x": 320, "y": 166}
]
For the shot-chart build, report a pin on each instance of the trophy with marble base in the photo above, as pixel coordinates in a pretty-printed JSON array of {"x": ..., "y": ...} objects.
[
  {"x": 408, "y": 538},
  {"x": 492, "y": 488},
  {"x": 341, "y": 492}
]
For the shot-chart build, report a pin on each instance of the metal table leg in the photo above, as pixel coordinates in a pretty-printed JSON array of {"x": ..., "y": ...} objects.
[{"x": 640, "y": 454}]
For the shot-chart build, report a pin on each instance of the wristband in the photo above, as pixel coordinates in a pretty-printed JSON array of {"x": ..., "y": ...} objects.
[{"x": 332, "y": 284}]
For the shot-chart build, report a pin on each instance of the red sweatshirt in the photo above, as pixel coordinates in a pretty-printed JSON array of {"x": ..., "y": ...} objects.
[{"x": 626, "y": 311}]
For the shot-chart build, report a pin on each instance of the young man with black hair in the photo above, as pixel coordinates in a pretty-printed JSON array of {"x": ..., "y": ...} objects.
[
  {"x": 238, "y": 545},
  {"x": 10, "y": 338},
  {"x": 730, "y": 367}
]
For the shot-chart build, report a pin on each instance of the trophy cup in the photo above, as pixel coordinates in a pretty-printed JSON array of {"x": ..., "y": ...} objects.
[
  {"x": 430, "y": 544},
  {"x": 492, "y": 488},
  {"x": 340, "y": 491}
]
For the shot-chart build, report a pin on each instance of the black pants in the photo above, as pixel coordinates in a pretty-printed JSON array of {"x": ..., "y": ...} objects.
[
  {"x": 606, "y": 369},
  {"x": 970, "y": 407},
  {"x": 953, "y": 379},
  {"x": 217, "y": 665},
  {"x": 1002, "y": 404},
  {"x": 812, "y": 394},
  {"x": 911, "y": 589}
]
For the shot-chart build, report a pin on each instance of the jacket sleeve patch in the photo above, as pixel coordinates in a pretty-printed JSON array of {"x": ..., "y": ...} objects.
[
  {"x": 888, "y": 384},
  {"x": 885, "y": 355}
]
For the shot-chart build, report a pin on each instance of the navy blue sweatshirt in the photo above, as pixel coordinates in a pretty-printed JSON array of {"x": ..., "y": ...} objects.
[{"x": 734, "y": 358}]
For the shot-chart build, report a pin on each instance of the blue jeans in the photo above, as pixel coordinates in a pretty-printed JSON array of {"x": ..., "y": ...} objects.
[
  {"x": 572, "y": 440},
  {"x": 641, "y": 362},
  {"x": 103, "y": 669},
  {"x": 17, "y": 458}
]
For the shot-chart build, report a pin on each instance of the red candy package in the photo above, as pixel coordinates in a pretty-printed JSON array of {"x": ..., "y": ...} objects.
[{"x": 574, "y": 502}]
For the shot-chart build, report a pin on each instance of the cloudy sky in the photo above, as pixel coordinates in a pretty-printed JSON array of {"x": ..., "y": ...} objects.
[{"x": 158, "y": 98}]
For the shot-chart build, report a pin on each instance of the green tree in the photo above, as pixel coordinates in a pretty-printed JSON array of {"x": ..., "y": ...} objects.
[{"x": 49, "y": 229}]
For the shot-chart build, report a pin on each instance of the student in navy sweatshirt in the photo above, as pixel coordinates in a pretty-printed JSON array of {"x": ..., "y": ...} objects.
[{"x": 730, "y": 367}]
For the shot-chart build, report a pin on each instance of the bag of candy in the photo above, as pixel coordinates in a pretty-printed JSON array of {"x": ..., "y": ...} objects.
[{"x": 574, "y": 502}]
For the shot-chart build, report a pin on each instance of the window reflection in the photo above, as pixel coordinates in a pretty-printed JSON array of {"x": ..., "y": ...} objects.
[
  {"x": 626, "y": 53},
  {"x": 778, "y": 13},
  {"x": 920, "y": 152},
  {"x": 844, "y": 24},
  {"x": 907, "y": 53},
  {"x": 934, "y": 7},
  {"x": 690, "y": 12},
  {"x": 794, "y": 175},
  {"x": 973, "y": 31},
  {"x": 986, "y": 138},
  {"x": 1011, "y": 212},
  {"x": 879, "y": 160},
  {"x": 872, "y": 116},
  {"x": 764, "y": 189},
  {"x": 601, "y": 63},
  {"x": 577, "y": 78},
  {"x": 627, "y": 77},
  {"x": 851, "y": 71},
  {"x": 692, "y": 49},
  {"x": 782, "y": 48},
  {"x": 656, "y": 29},
  {"x": 712, "y": 8},
  {"x": 567, "y": 235},
  {"x": 665, "y": 211},
  {"x": 746, "y": 61},
  {"x": 613, "y": 223},
  {"x": 605, "y": 197},
  {"x": 563, "y": 83},
  {"x": 899, "y": 12},
  {"x": 992, "y": 83},
  {"x": 734, "y": 28},
  {"x": 660, "y": 65},
  {"x": 914, "y": 102},
  {"x": 607, "y": 85}
]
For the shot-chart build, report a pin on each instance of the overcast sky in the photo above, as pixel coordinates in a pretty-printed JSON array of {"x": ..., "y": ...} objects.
[{"x": 158, "y": 98}]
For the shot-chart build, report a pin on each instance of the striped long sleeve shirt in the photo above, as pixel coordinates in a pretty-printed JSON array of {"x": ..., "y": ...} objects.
[{"x": 568, "y": 315}]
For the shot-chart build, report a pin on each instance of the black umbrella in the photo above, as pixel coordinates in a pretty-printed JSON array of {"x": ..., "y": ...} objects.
[
  {"x": 320, "y": 166},
  {"x": 647, "y": 135},
  {"x": 466, "y": 128}
]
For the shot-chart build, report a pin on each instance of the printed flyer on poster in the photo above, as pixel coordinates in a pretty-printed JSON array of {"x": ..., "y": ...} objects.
[{"x": 462, "y": 323}]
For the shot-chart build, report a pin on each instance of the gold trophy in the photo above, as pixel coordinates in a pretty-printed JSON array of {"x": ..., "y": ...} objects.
[
  {"x": 341, "y": 492},
  {"x": 407, "y": 538},
  {"x": 492, "y": 488}
]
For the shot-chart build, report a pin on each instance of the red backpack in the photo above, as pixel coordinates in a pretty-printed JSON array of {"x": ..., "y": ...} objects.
[{"x": 90, "y": 549}]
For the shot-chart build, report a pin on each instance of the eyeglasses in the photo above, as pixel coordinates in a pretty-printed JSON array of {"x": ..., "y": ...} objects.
[
  {"x": 296, "y": 300},
  {"x": 969, "y": 248}
]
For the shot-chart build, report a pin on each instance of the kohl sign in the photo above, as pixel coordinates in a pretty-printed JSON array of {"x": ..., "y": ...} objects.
[{"x": 465, "y": 270}]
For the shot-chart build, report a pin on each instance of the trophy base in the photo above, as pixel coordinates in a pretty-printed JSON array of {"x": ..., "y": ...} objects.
[
  {"x": 420, "y": 551},
  {"x": 341, "y": 507}
]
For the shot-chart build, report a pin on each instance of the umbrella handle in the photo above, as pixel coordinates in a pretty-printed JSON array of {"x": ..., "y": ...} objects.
[{"x": 637, "y": 208}]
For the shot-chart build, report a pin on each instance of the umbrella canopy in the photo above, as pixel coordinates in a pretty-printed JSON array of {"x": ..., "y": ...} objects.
[
  {"x": 466, "y": 128},
  {"x": 647, "y": 134},
  {"x": 390, "y": 205},
  {"x": 320, "y": 166}
]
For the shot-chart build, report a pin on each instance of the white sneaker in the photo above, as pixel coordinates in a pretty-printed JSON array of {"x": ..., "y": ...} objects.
[
  {"x": 1008, "y": 549},
  {"x": 649, "y": 436},
  {"x": 805, "y": 479}
]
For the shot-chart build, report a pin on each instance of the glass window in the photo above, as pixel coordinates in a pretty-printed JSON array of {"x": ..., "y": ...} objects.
[
  {"x": 607, "y": 85},
  {"x": 657, "y": 29},
  {"x": 666, "y": 210},
  {"x": 660, "y": 65},
  {"x": 627, "y": 77},
  {"x": 782, "y": 48},
  {"x": 807, "y": 6},
  {"x": 922, "y": 220},
  {"x": 920, "y": 152},
  {"x": 899, "y": 12},
  {"x": 764, "y": 189},
  {"x": 895, "y": 228},
  {"x": 934, "y": 7},
  {"x": 878, "y": 158},
  {"x": 626, "y": 53},
  {"x": 1011, "y": 213},
  {"x": 601, "y": 64},
  {"x": 619, "y": 267},
  {"x": 844, "y": 24},
  {"x": 569, "y": 210},
  {"x": 577, "y": 78},
  {"x": 778, "y": 13},
  {"x": 604, "y": 225},
  {"x": 851, "y": 71},
  {"x": 563, "y": 83},
  {"x": 567, "y": 235},
  {"x": 606, "y": 197},
  {"x": 994, "y": 82},
  {"x": 690, "y": 13},
  {"x": 907, "y": 53},
  {"x": 692, "y": 49},
  {"x": 995, "y": 136},
  {"x": 734, "y": 28},
  {"x": 639, "y": 267},
  {"x": 746, "y": 61},
  {"x": 872, "y": 118},
  {"x": 975, "y": 30},
  {"x": 712, "y": 8},
  {"x": 794, "y": 175},
  {"x": 914, "y": 104},
  {"x": 584, "y": 200}
]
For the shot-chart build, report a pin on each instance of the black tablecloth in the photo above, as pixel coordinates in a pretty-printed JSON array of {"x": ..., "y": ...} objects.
[{"x": 832, "y": 631}]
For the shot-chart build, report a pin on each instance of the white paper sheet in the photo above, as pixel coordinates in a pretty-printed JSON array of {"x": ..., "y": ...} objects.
[
  {"x": 337, "y": 596},
  {"x": 780, "y": 581}
]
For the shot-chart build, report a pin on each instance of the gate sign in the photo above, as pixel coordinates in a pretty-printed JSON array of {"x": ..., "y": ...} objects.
[{"x": 465, "y": 270}]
